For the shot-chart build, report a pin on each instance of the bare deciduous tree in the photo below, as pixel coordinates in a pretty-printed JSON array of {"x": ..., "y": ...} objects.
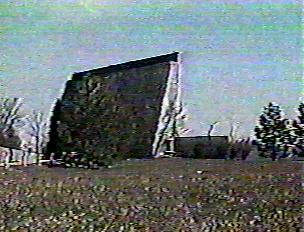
[
  {"x": 37, "y": 126},
  {"x": 10, "y": 116},
  {"x": 233, "y": 130},
  {"x": 10, "y": 119},
  {"x": 211, "y": 128}
]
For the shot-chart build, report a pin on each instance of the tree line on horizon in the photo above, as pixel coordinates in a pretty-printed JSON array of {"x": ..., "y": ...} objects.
[{"x": 274, "y": 133}]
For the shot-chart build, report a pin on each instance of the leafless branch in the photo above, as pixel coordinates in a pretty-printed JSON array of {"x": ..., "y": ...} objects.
[
  {"x": 232, "y": 131},
  {"x": 37, "y": 128},
  {"x": 9, "y": 113},
  {"x": 211, "y": 128}
]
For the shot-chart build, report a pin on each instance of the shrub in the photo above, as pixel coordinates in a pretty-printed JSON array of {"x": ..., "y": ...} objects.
[{"x": 240, "y": 149}]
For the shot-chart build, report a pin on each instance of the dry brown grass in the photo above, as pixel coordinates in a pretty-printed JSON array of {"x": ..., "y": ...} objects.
[{"x": 154, "y": 195}]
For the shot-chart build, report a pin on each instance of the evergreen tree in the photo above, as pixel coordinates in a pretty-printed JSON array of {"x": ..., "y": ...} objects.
[
  {"x": 299, "y": 130},
  {"x": 270, "y": 129},
  {"x": 288, "y": 137}
]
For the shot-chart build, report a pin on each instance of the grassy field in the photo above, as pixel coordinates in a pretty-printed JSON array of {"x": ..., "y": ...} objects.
[{"x": 154, "y": 195}]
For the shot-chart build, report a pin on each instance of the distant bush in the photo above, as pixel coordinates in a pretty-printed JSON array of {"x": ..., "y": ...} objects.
[
  {"x": 74, "y": 159},
  {"x": 240, "y": 149}
]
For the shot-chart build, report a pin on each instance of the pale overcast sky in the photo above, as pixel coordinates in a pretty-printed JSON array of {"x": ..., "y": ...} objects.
[{"x": 237, "y": 55}]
